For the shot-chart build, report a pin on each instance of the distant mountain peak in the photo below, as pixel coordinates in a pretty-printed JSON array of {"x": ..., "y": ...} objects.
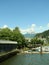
[{"x": 29, "y": 35}]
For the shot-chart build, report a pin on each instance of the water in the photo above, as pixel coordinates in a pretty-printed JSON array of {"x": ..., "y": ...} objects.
[{"x": 28, "y": 59}]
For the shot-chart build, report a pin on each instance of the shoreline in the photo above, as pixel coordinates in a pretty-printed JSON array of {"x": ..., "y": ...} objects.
[
  {"x": 7, "y": 55},
  {"x": 33, "y": 52}
]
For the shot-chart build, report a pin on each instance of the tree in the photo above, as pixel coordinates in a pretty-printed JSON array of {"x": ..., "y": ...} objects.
[
  {"x": 5, "y": 33},
  {"x": 17, "y": 36},
  {"x": 36, "y": 42}
]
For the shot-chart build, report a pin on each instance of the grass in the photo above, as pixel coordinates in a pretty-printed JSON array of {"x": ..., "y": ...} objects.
[{"x": 46, "y": 44}]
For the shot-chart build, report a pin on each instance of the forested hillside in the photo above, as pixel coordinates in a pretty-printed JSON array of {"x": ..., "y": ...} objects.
[{"x": 44, "y": 34}]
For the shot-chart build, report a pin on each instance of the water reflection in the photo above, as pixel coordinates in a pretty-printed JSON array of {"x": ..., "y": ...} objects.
[{"x": 28, "y": 59}]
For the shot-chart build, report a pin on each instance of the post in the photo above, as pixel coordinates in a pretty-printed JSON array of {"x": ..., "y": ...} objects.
[{"x": 41, "y": 49}]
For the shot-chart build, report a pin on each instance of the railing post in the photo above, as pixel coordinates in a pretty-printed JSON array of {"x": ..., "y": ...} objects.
[{"x": 41, "y": 49}]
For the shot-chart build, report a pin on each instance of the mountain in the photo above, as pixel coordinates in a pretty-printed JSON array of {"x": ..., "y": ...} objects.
[
  {"x": 44, "y": 34},
  {"x": 27, "y": 35}
]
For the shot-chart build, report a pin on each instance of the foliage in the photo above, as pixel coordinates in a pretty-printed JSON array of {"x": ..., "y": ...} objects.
[
  {"x": 36, "y": 42},
  {"x": 44, "y": 34},
  {"x": 5, "y": 33},
  {"x": 15, "y": 35}
]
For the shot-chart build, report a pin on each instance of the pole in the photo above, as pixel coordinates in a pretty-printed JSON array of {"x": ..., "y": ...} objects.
[{"x": 41, "y": 49}]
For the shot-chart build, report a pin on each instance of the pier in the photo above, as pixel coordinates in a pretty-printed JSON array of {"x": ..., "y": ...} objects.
[{"x": 7, "y": 49}]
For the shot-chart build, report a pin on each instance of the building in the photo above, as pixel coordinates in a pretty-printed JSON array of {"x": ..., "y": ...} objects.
[{"x": 7, "y": 45}]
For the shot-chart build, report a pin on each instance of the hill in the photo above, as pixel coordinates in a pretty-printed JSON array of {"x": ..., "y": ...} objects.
[
  {"x": 44, "y": 34},
  {"x": 27, "y": 35}
]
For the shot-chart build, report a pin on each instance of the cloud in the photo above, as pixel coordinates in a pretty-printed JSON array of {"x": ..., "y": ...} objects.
[
  {"x": 48, "y": 25},
  {"x": 40, "y": 27},
  {"x": 29, "y": 30},
  {"x": 23, "y": 31},
  {"x": 5, "y": 26},
  {"x": 33, "y": 25},
  {"x": 32, "y": 29}
]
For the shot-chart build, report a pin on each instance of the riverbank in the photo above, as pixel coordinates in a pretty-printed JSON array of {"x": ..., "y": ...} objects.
[
  {"x": 33, "y": 52},
  {"x": 7, "y": 55},
  {"x": 14, "y": 52},
  {"x": 27, "y": 59}
]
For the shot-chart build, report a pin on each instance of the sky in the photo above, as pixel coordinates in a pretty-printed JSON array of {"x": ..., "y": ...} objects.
[{"x": 30, "y": 16}]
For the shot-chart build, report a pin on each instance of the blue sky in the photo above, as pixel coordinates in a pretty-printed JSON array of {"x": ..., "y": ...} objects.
[{"x": 26, "y": 14}]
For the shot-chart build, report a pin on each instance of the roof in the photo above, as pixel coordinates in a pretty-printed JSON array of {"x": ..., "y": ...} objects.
[{"x": 7, "y": 42}]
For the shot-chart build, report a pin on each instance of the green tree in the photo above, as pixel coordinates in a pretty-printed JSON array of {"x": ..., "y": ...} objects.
[
  {"x": 5, "y": 33},
  {"x": 14, "y": 35},
  {"x": 17, "y": 36},
  {"x": 36, "y": 42}
]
